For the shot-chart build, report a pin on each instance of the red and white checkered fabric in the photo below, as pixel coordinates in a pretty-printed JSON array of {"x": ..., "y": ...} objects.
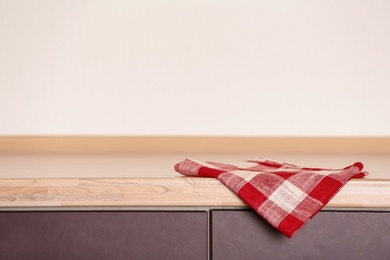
[{"x": 286, "y": 195}]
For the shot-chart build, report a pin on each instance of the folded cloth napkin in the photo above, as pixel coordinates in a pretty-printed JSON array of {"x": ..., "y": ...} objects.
[{"x": 286, "y": 195}]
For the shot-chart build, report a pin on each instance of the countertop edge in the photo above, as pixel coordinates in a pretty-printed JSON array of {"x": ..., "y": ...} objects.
[{"x": 161, "y": 192}]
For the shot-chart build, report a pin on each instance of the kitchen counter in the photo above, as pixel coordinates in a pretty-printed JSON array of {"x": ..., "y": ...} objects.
[
  {"x": 121, "y": 180},
  {"x": 122, "y": 205}
]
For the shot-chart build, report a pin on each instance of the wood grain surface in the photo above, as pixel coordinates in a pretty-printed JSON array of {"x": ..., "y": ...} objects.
[
  {"x": 160, "y": 193},
  {"x": 148, "y": 179}
]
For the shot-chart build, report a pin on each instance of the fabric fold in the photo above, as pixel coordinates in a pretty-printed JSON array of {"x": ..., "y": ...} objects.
[{"x": 286, "y": 195}]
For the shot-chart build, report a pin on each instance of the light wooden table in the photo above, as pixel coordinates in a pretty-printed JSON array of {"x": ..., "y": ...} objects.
[
  {"x": 121, "y": 180},
  {"x": 96, "y": 205}
]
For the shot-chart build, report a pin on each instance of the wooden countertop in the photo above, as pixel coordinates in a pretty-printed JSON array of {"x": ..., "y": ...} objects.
[{"x": 148, "y": 180}]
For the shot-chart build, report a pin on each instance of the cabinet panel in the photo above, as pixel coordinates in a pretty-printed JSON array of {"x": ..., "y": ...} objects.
[
  {"x": 103, "y": 235},
  {"x": 329, "y": 235}
]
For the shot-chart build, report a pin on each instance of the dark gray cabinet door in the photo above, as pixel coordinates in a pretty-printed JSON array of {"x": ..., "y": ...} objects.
[
  {"x": 103, "y": 235},
  {"x": 329, "y": 235}
]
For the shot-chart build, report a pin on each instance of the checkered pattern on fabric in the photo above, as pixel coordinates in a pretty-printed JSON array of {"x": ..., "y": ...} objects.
[{"x": 286, "y": 195}]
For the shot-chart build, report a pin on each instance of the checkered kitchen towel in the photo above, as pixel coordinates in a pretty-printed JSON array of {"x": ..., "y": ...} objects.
[{"x": 286, "y": 195}]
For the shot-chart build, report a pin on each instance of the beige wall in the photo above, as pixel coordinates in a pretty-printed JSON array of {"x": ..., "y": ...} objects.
[{"x": 195, "y": 67}]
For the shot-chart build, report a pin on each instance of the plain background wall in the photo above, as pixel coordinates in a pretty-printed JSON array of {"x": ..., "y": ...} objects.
[{"x": 195, "y": 67}]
